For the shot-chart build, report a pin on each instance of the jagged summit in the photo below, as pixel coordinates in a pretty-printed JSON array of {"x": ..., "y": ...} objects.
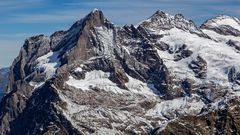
[
  {"x": 223, "y": 24},
  {"x": 95, "y": 15},
  {"x": 223, "y": 20},
  {"x": 161, "y": 14},
  {"x": 95, "y": 10},
  {"x": 94, "y": 18},
  {"x": 96, "y": 78},
  {"x": 163, "y": 21}
]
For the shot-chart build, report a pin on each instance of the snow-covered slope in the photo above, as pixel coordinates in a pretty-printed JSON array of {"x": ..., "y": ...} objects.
[
  {"x": 219, "y": 56},
  {"x": 97, "y": 78},
  {"x": 224, "y": 20},
  {"x": 224, "y": 25}
]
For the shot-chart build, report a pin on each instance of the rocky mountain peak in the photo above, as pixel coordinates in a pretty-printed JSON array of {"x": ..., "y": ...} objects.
[
  {"x": 95, "y": 18},
  {"x": 223, "y": 24},
  {"x": 160, "y": 14},
  {"x": 179, "y": 17},
  {"x": 35, "y": 42},
  {"x": 222, "y": 20},
  {"x": 162, "y": 21}
]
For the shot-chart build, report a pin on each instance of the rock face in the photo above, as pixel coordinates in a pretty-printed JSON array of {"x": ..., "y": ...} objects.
[
  {"x": 97, "y": 78},
  {"x": 3, "y": 80}
]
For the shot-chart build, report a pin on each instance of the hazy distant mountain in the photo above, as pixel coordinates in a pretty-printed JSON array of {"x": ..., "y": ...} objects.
[
  {"x": 162, "y": 76},
  {"x": 3, "y": 80}
]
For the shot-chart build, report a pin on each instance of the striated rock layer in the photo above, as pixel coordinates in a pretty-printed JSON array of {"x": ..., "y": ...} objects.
[{"x": 163, "y": 76}]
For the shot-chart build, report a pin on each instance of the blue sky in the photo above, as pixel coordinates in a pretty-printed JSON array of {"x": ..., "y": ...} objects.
[{"x": 20, "y": 19}]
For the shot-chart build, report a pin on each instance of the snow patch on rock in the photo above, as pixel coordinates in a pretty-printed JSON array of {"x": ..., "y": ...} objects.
[
  {"x": 172, "y": 108},
  {"x": 48, "y": 64},
  {"x": 100, "y": 79},
  {"x": 224, "y": 20},
  {"x": 78, "y": 69}
]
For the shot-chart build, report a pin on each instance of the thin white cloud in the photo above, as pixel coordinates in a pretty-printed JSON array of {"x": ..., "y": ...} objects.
[
  {"x": 15, "y": 35},
  {"x": 57, "y": 16},
  {"x": 115, "y": 9},
  {"x": 9, "y": 5}
]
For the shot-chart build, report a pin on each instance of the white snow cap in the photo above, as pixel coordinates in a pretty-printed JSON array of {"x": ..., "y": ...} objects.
[
  {"x": 95, "y": 10},
  {"x": 224, "y": 20}
]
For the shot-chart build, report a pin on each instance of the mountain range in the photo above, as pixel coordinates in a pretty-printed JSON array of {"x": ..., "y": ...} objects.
[{"x": 164, "y": 75}]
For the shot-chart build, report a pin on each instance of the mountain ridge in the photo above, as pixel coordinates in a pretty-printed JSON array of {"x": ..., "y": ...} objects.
[{"x": 97, "y": 78}]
